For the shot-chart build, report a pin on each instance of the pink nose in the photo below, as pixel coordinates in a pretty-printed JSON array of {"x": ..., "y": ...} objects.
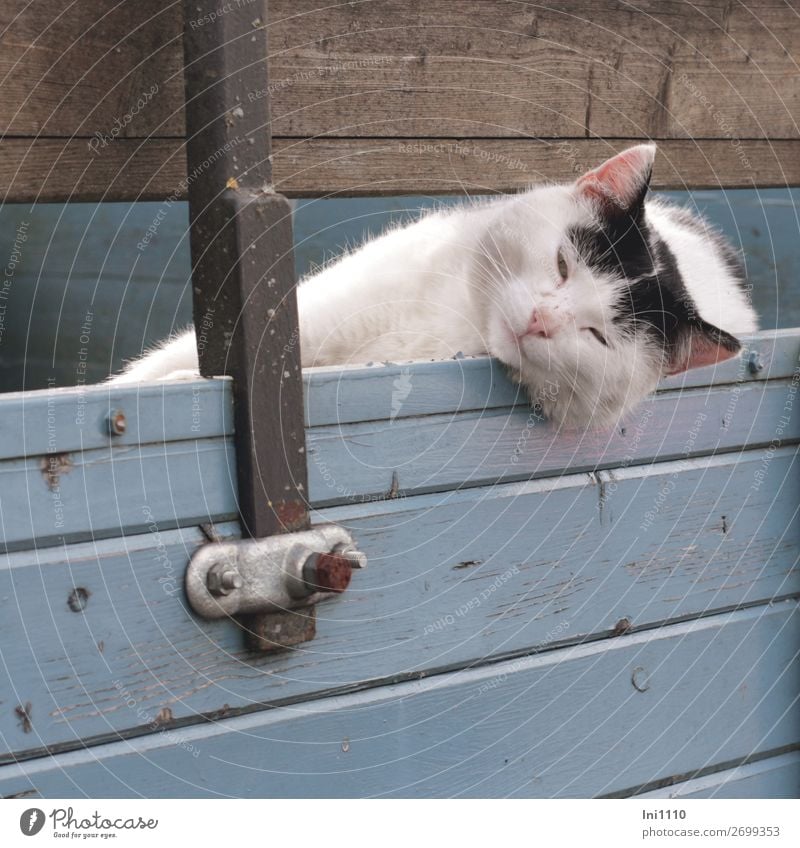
[{"x": 537, "y": 325}]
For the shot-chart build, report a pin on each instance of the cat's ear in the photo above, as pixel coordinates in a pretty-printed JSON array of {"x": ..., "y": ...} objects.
[
  {"x": 619, "y": 185},
  {"x": 701, "y": 344}
]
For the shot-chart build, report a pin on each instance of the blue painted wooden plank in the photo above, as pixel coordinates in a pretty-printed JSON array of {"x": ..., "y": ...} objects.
[
  {"x": 107, "y": 492},
  {"x": 75, "y": 418},
  {"x": 386, "y": 391},
  {"x": 433, "y": 453},
  {"x": 349, "y": 463},
  {"x": 452, "y": 579},
  {"x": 773, "y": 777},
  {"x": 335, "y": 395},
  {"x": 350, "y": 395},
  {"x": 681, "y": 698},
  {"x": 82, "y": 260},
  {"x": 67, "y": 420}
]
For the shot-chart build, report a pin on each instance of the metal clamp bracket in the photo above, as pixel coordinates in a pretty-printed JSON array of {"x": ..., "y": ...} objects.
[{"x": 275, "y": 574}]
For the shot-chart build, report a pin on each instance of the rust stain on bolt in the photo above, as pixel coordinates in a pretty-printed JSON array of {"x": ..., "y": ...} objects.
[
  {"x": 327, "y": 573},
  {"x": 117, "y": 424}
]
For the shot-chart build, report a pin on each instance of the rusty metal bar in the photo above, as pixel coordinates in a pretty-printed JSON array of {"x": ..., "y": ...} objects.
[{"x": 245, "y": 309}]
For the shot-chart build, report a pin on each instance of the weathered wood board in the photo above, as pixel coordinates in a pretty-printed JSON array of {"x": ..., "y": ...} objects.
[
  {"x": 533, "y": 597},
  {"x": 60, "y": 498},
  {"x": 440, "y": 68},
  {"x": 773, "y": 777},
  {"x": 689, "y": 695},
  {"x": 381, "y": 459},
  {"x": 66, "y": 494},
  {"x": 180, "y": 433},
  {"x": 77, "y": 420},
  {"x": 454, "y": 579},
  {"x": 54, "y": 170},
  {"x": 393, "y": 97},
  {"x": 349, "y": 395}
]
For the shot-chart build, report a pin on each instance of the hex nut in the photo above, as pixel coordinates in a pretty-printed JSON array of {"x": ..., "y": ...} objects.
[
  {"x": 222, "y": 579},
  {"x": 117, "y": 423}
]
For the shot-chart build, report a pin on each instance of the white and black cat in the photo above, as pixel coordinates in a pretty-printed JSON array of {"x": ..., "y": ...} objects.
[{"x": 586, "y": 291}]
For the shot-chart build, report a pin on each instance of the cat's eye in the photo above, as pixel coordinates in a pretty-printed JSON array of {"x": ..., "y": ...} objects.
[
  {"x": 563, "y": 268},
  {"x": 598, "y": 335}
]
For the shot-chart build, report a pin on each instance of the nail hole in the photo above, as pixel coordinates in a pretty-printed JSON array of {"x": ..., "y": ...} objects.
[{"x": 78, "y": 598}]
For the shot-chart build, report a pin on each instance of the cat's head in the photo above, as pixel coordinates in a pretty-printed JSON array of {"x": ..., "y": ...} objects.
[{"x": 585, "y": 302}]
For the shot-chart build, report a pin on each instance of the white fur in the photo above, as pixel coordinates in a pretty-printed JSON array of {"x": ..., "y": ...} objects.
[{"x": 466, "y": 281}]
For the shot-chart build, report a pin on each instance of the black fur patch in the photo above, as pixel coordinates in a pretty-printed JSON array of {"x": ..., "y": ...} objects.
[{"x": 656, "y": 300}]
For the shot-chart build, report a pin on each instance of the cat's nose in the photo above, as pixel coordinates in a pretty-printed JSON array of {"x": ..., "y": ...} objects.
[{"x": 537, "y": 326}]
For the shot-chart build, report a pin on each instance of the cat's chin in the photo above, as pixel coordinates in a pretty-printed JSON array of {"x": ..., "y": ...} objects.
[{"x": 565, "y": 411}]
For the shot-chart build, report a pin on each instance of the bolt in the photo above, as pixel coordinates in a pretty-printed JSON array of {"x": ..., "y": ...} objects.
[
  {"x": 231, "y": 580},
  {"x": 327, "y": 572},
  {"x": 222, "y": 579},
  {"x": 356, "y": 558},
  {"x": 754, "y": 363},
  {"x": 117, "y": 424}
]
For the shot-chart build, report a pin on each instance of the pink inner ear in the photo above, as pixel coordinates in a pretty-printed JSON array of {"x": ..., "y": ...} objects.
[
  {"x": 703, "y": 352},
  {"x": 619, "y": 179}
]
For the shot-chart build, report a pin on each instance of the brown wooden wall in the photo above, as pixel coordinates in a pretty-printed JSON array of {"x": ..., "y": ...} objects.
[{"x": 399, "y": 96}]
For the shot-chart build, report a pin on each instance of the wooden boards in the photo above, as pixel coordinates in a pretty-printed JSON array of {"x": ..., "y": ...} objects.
[
  {"x": 439, "y": 69},
  {"x": 465, "y": 577},
  {"x": 771, "y": 777},
  {"x": 463, "y": 424},
  {"x": 454, "y": 579},
  {"x": 398, "y": 97},
  {"x": 682, "y": 697},
  {"x": 52, "y": 170}
]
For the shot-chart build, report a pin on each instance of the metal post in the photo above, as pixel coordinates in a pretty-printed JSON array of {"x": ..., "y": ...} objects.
[{"x": 245, "y": 309}]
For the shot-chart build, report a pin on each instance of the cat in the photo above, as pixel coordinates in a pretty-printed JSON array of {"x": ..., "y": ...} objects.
[{"x": 589, "y": 292}]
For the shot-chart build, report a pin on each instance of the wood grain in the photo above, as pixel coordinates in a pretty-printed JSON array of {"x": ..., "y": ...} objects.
[
  {"x": 453, "y": 580},
  {"x": 494, "y": 68},
  {"x": 168, "y": 412},
  {"x": 385, "y": 459},
  {"x": 568, "y": 723},
  {"x": 59, "y": 498},
  {"x": 398, "y": 97},
  {"x": 574, "y": 69},
  {"x": 76, "y": 68},
  {"x": 76, "y": 419},
  {"x": 243, "y": 273},
  {"x": 57, "y": 170}
]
